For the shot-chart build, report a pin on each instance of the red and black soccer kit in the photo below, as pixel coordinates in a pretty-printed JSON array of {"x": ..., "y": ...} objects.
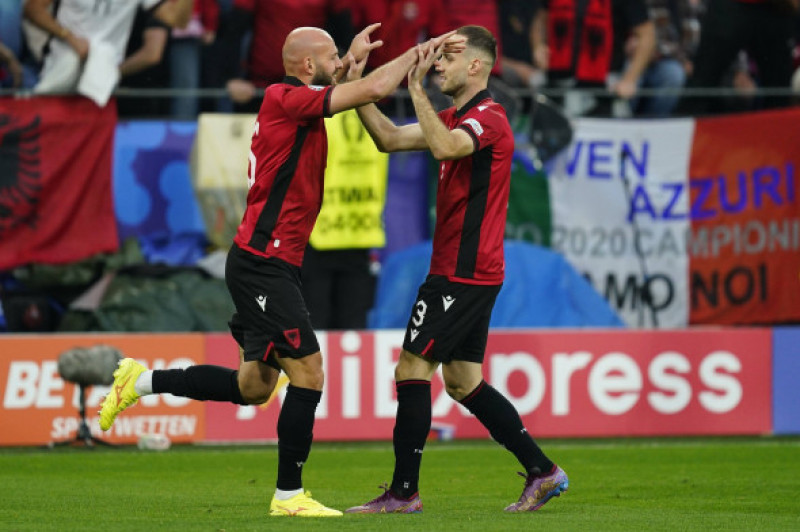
[
  {"x": 450, "y": 319},
  {"x": 287, "y": 166}
]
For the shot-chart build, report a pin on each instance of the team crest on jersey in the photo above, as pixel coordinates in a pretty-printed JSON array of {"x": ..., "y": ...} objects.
[
  {"x": 20, "y": 175},
  {"x": 475, "y": 125},
  {"x": 317, "y": 87}
]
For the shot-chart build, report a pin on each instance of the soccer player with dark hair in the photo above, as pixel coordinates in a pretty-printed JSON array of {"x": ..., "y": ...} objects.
[
  {"x": 449, "y": 323},
  {"x": 271, "y": 324}
]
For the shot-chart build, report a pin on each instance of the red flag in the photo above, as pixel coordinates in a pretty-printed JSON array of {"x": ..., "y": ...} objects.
[
  {"x": 745, "y": 201},
  {"x": 56, "y": 204}
]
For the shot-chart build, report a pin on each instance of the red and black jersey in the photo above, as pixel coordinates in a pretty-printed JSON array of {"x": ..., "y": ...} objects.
[
  {"x": 288, "y": 154},
  {"x": 472, "y": 196}
]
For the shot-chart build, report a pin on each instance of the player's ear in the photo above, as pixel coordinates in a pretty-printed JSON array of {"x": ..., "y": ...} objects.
[
  {"x": 475, "y": 66},
  {"x": 308, "y": 65}
]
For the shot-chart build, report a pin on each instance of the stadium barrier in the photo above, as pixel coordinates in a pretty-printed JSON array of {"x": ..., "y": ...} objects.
[{"x": 581, "y": 383}]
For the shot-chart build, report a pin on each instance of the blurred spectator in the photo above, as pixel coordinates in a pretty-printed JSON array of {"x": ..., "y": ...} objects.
[
  {"x": 676, "y": 23},
  {"x": 217, "y": 61},
  {"x": 15, "y": 71},
  {"x": 269, "y": 22},
  {"x": 516, "y": 31},
  {"x": 144, "y": 66},
  {"x": 404, "y": 23},
  {"x": 186, "y": 52},
  {"x": 339, "y": 275},
  {"x": 88, "y": 39},
  {"x": 10, "y": 68},
  {"x": 583, "y": 47},
  {"x": 796, "y": 58},
  {"x": 763, "y": 28}
]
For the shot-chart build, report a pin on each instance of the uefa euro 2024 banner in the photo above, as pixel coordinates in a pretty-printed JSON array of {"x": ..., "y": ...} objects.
[{"x": 684, "y": 221}]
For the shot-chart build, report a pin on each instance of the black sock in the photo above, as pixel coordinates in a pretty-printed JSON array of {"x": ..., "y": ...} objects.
[
  {"x": 501, "y": 418},
  {"x": 295, "y": 433},
  {"x": 412, "y": 425},
  {"x": 204, "y": 383}
]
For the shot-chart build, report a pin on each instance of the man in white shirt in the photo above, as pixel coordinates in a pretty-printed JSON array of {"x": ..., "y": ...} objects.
[{"x": 86, "y": 35}]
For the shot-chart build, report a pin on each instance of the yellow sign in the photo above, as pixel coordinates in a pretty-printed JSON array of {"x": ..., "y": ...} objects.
[{"x": 355, "y": 188}]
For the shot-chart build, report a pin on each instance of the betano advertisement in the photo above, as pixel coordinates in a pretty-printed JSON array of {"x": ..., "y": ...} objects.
[
  {"x": 39, "y": 407},
  {"x": 574, "y": 383}
]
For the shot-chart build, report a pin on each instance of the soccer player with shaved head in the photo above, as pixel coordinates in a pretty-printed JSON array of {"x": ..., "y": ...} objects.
[
  {"x": 271, "y": 325},
  {"x": 449, "y": 322}
]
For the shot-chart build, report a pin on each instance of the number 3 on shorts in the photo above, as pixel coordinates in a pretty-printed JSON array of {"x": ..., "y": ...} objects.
[{"x": 420, "y": 308}]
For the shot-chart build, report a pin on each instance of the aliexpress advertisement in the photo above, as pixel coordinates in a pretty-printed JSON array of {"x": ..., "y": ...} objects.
[
  {"x": 576, "y": 384},
  {"x": 564, "y": 384}
]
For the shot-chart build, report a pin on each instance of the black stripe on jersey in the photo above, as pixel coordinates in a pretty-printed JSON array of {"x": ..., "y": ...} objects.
[
  {"x": 262, "y": 233},
  {"x": 475, "y": 142},
  {"x": 473, "y": 217},
  {"x": 326, "y": 103}
]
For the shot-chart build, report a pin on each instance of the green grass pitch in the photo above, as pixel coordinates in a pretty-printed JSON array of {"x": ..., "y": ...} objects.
[{"x": 632, "y": 484}]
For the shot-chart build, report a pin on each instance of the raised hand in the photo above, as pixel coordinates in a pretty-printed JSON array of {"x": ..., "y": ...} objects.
[
  {"x": 453, "y": 43},
  {"x": 426, "y": 56},
  {"x": 362, "y": 45},
  {"x": 356, "y": 67}
]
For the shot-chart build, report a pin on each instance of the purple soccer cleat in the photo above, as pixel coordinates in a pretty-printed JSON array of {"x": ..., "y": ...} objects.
[
  {"x": 388, "y": 503},
  {"x": 539, "y": 490}
]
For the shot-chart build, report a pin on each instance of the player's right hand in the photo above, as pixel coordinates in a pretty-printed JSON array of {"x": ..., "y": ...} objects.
[
  {"x": 453, "y": 43},
  {"x": 361, "y": 45}
]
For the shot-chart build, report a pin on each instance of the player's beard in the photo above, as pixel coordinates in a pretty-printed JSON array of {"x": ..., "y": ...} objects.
[{"x": 321, "y": 78}]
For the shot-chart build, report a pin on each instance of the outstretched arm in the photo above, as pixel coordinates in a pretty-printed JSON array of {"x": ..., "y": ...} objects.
[
  {"x": 38, "y": 13},
  {"x": 386, "y": 135},
  {"x": 384, "y": 80},
  {"x": 444, "y": 143}
]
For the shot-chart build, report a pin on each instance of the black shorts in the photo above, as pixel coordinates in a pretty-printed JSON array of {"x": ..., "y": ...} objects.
[
  {"x": 271, "y": 317},
  {"x": 450, "y": 321}
]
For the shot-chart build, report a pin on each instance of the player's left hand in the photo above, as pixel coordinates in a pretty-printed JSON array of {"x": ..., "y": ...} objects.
[
  {"x": 356, "y": 68},
  {"x": 362, "y": 45},
  {"x": 453, "y": 43},
  {"x": 427, "y": 54}
]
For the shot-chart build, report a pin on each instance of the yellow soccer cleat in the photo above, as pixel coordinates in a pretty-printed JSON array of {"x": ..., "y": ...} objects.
[
  {"x": 122, "y": 394},
  {"x": 301, "y": 505}
]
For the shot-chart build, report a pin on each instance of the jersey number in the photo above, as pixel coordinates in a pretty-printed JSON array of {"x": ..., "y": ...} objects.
[{"x": 421, "y": 307}]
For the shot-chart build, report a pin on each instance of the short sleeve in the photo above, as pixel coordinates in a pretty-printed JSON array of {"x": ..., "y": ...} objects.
[
  {"x": 484, "y": 127},
  {"x": 308, "y": 101}
]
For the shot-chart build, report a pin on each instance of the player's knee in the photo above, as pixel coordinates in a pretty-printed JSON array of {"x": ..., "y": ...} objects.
[
  {"x": 307, "y": 377},
  {"x": 255, "y": 393},
  {"x": 255, "y": 389},
  {"x": 456, "y": 390},
  {"x": 314, "y": 379}
]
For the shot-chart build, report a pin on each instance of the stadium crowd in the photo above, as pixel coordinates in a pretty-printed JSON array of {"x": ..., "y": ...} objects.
[{"x": 598, "y": 57}]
